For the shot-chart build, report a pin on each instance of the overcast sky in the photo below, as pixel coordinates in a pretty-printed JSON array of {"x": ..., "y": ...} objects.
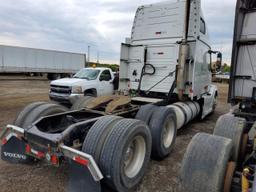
[{"x": 72, "y": 25}]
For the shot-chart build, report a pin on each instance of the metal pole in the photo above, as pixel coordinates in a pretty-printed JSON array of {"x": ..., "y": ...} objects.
[
  {"x": 88, "y": 54},
  {"x": 85, "y": 61},
  {"x": 98, "y": 55}
]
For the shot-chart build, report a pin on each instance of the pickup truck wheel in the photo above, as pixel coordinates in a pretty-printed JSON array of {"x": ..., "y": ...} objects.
[
  {"x": 40, "y": 111},
  {"x": 24, "y": 112},
  {"x": 233, "y": 128},
  {"x": 126, "y": 154},
  {"x": 81, "y": 102},
  {"x": 53, "y": 76},
  {"x": 205, "y": 163},
  {"x": 145, "y": 113},
  {"x": 163, "y": 129},
  {"x": 97, "y": 135}
]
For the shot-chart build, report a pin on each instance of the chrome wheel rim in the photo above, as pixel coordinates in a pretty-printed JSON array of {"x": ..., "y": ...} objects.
[
  {"x": 134, "y": 156},
  {"x": 168, "y": 133}
]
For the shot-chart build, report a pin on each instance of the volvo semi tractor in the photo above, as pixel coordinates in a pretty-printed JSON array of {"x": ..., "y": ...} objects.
[{"x": 165, "y": 82}]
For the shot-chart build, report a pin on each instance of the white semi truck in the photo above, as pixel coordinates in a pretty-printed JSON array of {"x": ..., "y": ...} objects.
[
  {"x": 55, "y": 64},
  {"x": 165, "y": 81}
]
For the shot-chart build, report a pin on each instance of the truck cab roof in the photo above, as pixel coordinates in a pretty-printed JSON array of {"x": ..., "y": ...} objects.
[
  {"x": 98, "y": 68},
  {"x": 165, "y": 21}
]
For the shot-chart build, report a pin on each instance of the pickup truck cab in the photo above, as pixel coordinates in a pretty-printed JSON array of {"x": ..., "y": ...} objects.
[{"x": 87, "y": 81}]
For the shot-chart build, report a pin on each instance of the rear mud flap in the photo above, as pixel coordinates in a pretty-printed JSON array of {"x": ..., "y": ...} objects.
[
  {"x": 81, "y": 180},
  {"x": 14, "y": 151}
]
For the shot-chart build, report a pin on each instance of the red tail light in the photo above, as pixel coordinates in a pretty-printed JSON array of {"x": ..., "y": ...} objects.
[{"x": 54, "y": 159}]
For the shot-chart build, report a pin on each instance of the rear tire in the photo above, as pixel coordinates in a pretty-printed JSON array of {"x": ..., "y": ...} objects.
[
  {"x": 231, "y": 127},
  {"x": 33, "y": 112},
  {"x": 40, "y": 111},
  {"x": 163, "y": 129},
  {"x": 81, "y": 102},
  {"x": 205, "y": 163},
  {"x": 145, "y": 113},
  {"x": 24, "y": 112},
  {"x": 97, "y": 136},
  {"x": 126, "y": 154}
]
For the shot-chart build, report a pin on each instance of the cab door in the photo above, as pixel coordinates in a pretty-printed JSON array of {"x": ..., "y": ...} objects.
[{"x": 106, "y": 83}]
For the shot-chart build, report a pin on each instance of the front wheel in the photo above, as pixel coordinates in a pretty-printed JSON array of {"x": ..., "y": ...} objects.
[{"x": 215, "y": 102}]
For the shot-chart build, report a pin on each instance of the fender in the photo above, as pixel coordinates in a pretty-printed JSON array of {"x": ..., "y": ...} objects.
[{"x": 209, "y": 100}]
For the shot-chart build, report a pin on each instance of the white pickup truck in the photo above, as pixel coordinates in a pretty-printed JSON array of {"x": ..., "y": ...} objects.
[{"x": 87, "y": 81}]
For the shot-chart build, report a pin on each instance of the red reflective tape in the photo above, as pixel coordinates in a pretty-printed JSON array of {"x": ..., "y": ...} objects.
[
  {"x": 40, "y": 154},
  {"x": 28, "y": 148},
  {"x": 4, "y": 141},
  {"x": 81, "y": 161}
]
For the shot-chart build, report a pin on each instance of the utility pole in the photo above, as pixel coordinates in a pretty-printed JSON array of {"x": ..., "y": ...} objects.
[
  {"x": 88, "y": 60},
  {"x": 98, "y": 55}
]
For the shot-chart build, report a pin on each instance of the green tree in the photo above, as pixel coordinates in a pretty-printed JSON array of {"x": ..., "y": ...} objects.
[{"x": 225, "y": 68}]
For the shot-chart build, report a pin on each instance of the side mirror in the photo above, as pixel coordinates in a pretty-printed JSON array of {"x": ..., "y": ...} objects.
[
  {"x": 216, "y": 66},
  {"x": 219, "y": 61}
]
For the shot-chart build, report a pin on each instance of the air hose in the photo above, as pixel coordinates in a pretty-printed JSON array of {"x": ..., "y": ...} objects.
[{"x": 143, "y": 71}]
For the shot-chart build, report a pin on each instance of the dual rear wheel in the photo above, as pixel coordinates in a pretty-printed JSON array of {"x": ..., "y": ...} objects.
[
  {"x": 121, "y": 148},
  {"x": 163, "y": 127},
  {"x": 210, "y": 160}
]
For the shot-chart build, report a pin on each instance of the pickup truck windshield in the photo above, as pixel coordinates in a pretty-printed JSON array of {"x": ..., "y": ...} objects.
[{"x": 89, "y": 74}]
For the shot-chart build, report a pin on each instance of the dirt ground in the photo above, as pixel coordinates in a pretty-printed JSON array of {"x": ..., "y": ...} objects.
[{"x": 160, "y": 177}]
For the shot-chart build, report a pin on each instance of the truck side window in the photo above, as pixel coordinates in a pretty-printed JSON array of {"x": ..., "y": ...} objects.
[
  {"x": 202, "y": 26},
  {"x": 105, "y": 76}
]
